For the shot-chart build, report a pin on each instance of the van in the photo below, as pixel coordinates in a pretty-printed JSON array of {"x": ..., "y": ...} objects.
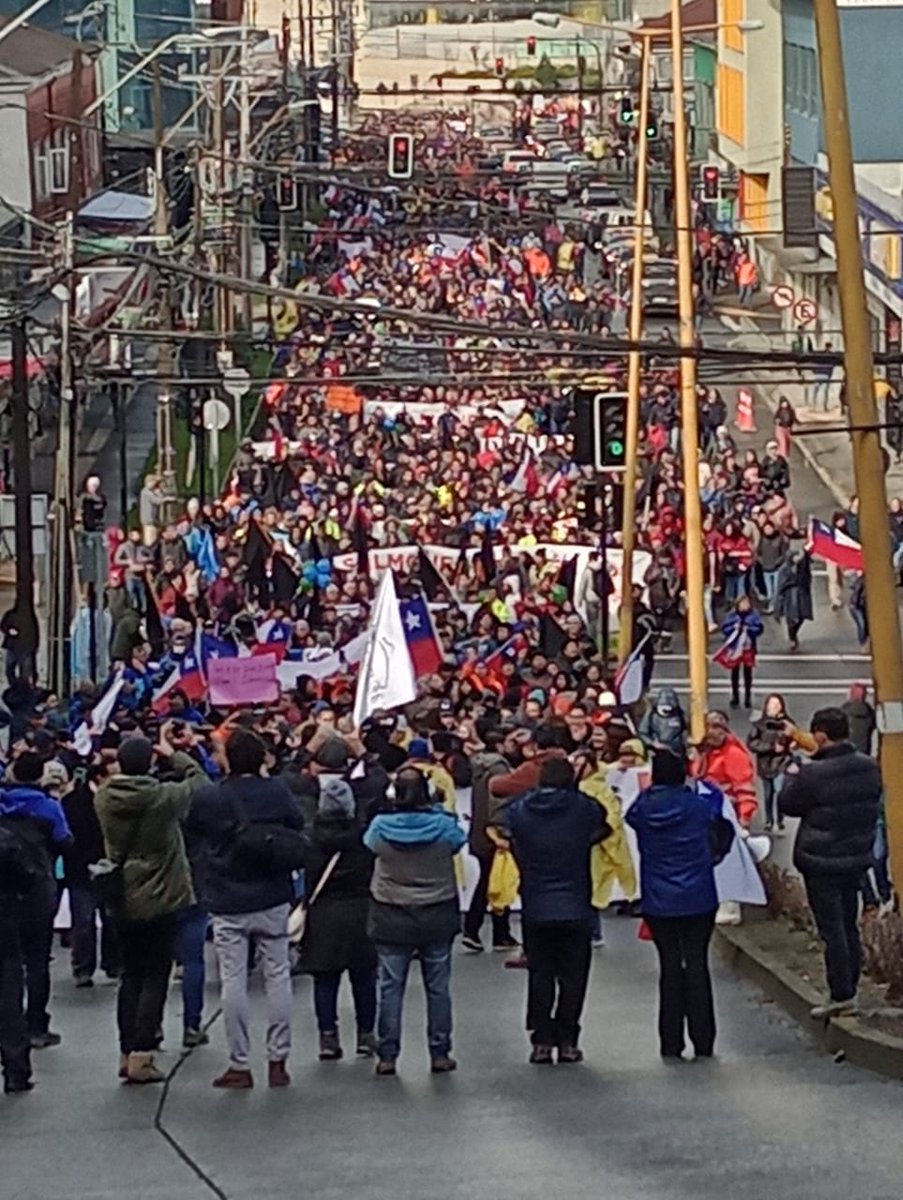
[{"x": 518, "y": 162}]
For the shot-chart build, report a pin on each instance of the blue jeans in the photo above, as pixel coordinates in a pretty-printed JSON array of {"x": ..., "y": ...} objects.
[
  {"x": 860, "y": 623},
  {"x": 771, "y": 586},
  {"x": 735, "y": 587},
  {"x": 435, "y": 967},
  {"x": 771, "y": 789},
  {"x": 746, "y": 295},
  {"x": 191, "y": 934},
  {"x": 326, "y": 998}
]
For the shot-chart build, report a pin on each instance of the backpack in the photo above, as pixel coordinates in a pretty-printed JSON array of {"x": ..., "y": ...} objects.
[
  {"x": 22, "y": 864},
  {"x": 262, "y": 848}
]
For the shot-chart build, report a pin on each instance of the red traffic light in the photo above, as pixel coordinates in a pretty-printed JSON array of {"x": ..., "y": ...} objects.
[
  {"x": 500, "y": 67},
  {"x": 711, "y": 182},
  {"x": 287, "y": 195},
  {"x": 401, "y": 156},
  {"x": 531, "y": 45}
]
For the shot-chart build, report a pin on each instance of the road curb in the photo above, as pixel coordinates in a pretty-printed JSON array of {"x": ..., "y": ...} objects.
[{"x": 867, "y": 1048}]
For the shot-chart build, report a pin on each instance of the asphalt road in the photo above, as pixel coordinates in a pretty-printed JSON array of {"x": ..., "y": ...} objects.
[{"x": 770, "y": 1116}]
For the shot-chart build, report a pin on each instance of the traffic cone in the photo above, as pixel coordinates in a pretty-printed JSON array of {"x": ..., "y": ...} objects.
[{"x": 746, "y": 416}]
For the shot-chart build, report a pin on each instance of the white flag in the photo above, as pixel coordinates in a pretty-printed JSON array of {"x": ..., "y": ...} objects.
[
  {"x": 386, "y": 678},
  {"x": 100, "y": 717}
]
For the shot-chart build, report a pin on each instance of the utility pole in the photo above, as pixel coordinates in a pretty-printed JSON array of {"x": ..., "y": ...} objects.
[
  {"x": 165, "y": 448},
  {"x": 868, "y": 464},
  {"x": 26, "y": 621},
  {"x": 697, "y": 637},
  {"x": 246, "y": 176},
  {"x": 334, "y": 81},
  {"x": 634, "y": 363},
  {"x": 63, "y": 566}
]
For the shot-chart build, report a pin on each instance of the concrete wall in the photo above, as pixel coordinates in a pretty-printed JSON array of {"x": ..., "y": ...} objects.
[{"x": 15, "y": 168}]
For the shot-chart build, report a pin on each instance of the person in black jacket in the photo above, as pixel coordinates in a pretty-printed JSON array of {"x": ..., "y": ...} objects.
[
  {"x": 836, "y": 797},
  {"x": 247, "y": 903},
  {"x": 335, "y": 939},
  {"x": 87, "y": 848}
]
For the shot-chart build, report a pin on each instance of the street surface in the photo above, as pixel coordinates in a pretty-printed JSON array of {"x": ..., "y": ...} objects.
[{"x": 770, "y": 1116}]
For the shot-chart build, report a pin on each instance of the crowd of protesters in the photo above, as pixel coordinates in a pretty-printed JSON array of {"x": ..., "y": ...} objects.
[{"x": 457, "y": 473}]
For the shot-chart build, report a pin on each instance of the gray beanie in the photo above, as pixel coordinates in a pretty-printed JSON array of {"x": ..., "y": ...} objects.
[
  {"x": 336, "y": 799},
  {"x": 135, "y": 755}
]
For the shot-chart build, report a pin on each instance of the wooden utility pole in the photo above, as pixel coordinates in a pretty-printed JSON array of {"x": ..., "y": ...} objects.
[{"x": 26, "y": 621}]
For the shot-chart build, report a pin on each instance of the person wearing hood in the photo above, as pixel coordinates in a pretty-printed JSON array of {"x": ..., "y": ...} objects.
[
  {"x": 140, "y": 821},
  {"x": 674, "y": 821},
  {"x": 335, "y": 939},
  {"x": 664, "y": 726},
  {"x": 773, "y": 738},
  {"x": 552, "y": 829},
  {"x": 726, "y": 762},
  {"x": 793, "y": 598},
  {"x": 414, "y": 909},
  {"x": 862, "y": 719},
  {"x": 438, "y": 779},
  {"x": 41, "y": 822},
  {"x": 487, "y": 764},
  {"x": 610, "y": 860}
]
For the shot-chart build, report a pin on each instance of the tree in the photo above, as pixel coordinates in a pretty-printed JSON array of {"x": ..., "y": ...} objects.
[{"x": 546, "y": 75}]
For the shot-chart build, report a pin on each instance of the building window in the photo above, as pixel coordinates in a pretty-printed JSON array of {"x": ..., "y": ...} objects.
[
  {"x": 39, "y": 164},
  {"x": 732, "y": 104},
  {"x": 733, "y": 11},
  {"x": 754, "y": 201},
  {"x": 58, "y": 163}
]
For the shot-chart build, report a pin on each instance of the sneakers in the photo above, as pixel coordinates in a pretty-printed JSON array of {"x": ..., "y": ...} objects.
[
  {"x": 192, "y": 1038},
  {"x": 386, "y": 1066},
  {"x": 769, "y": 827},
  {"x": 43, "y": 1041},
  {"x": 234, "y": 1079},
  {"x": 518, "y": 963},
  {"x": 473, "y": 944},
  {"x": 506, "y": 944},
  {"x": 835, "y": 1008},
  {"x": 14, "y": 1084},
  {"x": 277, "y": 1076},
  {"x": 367, "y": 1045},
  {"x": 141, "y": 1068},
  {"x": 599, "y": 942},
  {"x": 443, "y": 1065},
  {"x": 542, "y": 1056},
  {"x": 330, "y": 1047}
]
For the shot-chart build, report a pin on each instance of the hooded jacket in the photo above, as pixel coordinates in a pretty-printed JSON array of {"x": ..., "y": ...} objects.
[
  {"x": 139, "y": 817},
  {"x": 730, "y": 767},
  {"x": 837, "y": 798},
  {"x": 413, "y": 892},
  {"x": 552, "y": 831},
  {"x": 673, "y": 829},
  {"x": 47, "y": 827},
  {"x": 487, "y": 765},
  {"x": 861, "y": 717},
  {"x": 664, "y": 724}
]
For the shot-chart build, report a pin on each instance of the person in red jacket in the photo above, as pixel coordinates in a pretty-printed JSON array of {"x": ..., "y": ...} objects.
[{"x": 726, "y": 762}]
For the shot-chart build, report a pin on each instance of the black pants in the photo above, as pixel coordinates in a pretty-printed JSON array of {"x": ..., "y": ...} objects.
[
  {"x": 36, "y": 940},
  {"x": 684, "y": 986},
  {"x": 84, "y": 908},
  {"x": 834, "y": 900},
  {"x": 15, "y": 1044},
  {"x": 473, "y": 921},
  {"x": 147, "y": 949},
  {"x": 558, "y": 958},
  {"x": 747, "y": 683}
]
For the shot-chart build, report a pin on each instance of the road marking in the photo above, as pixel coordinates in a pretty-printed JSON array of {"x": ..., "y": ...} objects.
[{"x": 794, "y": 658}]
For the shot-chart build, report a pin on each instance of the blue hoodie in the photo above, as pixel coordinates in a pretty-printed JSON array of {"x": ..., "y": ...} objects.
[
  {"x": 421, "y": 827},
  {"x": 44, "y": 814},
  {"x": 673, "y": 827}
]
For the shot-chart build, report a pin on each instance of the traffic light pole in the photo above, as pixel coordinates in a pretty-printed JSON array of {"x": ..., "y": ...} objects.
[{"x": 634, "y": 362}]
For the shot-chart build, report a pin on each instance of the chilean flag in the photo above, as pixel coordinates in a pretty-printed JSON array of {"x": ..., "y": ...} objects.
[
  {"x": 273, "y": 637},
  {"x": 183, "y": 673},
  {"x": 424, "y": 647},
  {"x": 525, "y": 479},
  {"x": 834, "y": 546}
]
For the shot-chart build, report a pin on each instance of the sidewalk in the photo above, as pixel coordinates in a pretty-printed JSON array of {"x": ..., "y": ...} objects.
[{"x": 828, "y": 454}]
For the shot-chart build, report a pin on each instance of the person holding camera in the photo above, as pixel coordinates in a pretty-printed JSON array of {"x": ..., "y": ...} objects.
[{"x": 773, "y": 738}]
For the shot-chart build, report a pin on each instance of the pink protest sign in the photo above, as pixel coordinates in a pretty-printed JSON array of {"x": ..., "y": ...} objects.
[{"x": 250, "y": 680}]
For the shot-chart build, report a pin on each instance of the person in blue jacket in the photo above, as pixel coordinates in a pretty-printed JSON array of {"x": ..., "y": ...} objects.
[
  {"x": 742, "y": 628},
  {"x": 675, "y": 822}
]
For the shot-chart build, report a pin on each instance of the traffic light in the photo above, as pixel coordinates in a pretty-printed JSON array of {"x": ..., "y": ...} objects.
[
  {"x": 587, "y": 514},
  {"x": 287, "y": 193},
  {"x": 600, "y": 429},
  {"x": 626, "y": 112},
  {"x": 500, "y": 67},
  {"x": 613, "y": 440},
  {"x": 401, "y": 155},
  {"x": 531, "y": 45},
  {"x": 711, "y": 182},
  {"x": 652, "y": 129}
]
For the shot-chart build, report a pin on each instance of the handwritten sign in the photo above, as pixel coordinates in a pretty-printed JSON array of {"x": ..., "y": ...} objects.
[{"x": 238, "y": 681}]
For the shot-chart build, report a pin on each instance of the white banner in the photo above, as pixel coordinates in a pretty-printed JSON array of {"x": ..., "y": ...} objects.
[{"x": 502, "y": 410}]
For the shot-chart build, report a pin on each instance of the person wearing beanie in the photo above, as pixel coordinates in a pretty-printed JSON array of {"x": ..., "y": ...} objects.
[
  {"x": 439, "y": 781},
  {"x": 38, "y": 820},
  {"x": 140, "y": 821},
  {"x": 675, "y": 822},
  {"x": 335, "y": 940}
]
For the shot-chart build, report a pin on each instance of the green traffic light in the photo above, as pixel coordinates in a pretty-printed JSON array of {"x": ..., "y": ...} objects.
[{"x": 616, "y": 449}]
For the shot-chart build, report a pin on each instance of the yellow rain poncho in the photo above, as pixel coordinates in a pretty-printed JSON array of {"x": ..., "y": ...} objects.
[{"x": 610, "y": 861}]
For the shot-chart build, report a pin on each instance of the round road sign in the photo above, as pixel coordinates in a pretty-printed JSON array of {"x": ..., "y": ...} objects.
[
  {"x": 782, "y": 296},
  {"x": 216, "y": 414},
  {"x": 805, "y": 311},
  {"x": 236, "y": 382}
]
